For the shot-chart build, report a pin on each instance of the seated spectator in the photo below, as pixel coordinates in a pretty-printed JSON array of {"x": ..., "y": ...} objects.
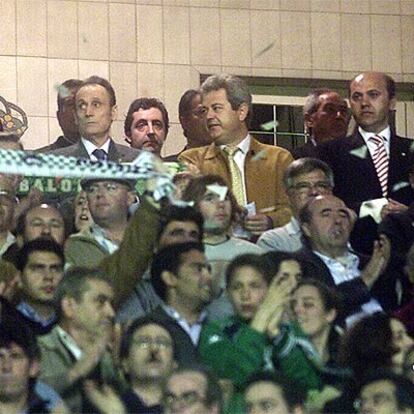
[
  {"x": 78, "y": 346},
  {"x": 269, "y": 393},
  {"x": 82, "y": 215},
  {"x": 7, "y": 208},
  {"x": 220, "y": 212},
  {"x": 303, "y": 180},
  {"x": 192, "y": 389},
  {"x": 20, "y": 392},
  {"x": 40, "y": 263},
  {"x": 177, "y": 225},
  {"x": 108, "y": 202},
  {"x": 306, "y": 349},
  {"x": 385, "y": 392},
  {"x": 42, "y": 220},
  {"x": 239, "y": 346},
  {"x": 148, "y": 356}
]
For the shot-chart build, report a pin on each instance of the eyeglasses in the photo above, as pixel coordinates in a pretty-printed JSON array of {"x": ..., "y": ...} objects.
[
  {"x": 146, "y": 343},
  {"x": 109, "y": 188},
  {"x": 305, "y": 187},
  {"x": 186, "y": 399}
]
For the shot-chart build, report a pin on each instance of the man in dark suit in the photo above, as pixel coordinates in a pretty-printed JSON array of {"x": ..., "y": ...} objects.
[
  {"x": 326, "y": 117},
  {"x": 95, "y": 110},
  {"x": 66, "y": 116},
  {"x": 353, "y": 159}
]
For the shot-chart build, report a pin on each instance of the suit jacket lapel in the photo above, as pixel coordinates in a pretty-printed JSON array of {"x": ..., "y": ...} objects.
[{"x": 113, "y": 153}]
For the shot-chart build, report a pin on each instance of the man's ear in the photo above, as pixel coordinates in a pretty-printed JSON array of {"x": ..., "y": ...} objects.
[
  {"x": 68, "y": 306},
  {"x": 114, "y": 112},
  {"x": 34, "y": 369},
  {"x": 169, "y": 278},
  {"x": 331, "y": 315},
  {"x": 243, "y": 111},
  {"x": 306, "y": 230},
  {"x": 308, "y": 121},
  {"x": 393, "y": 103},
  {"x": 132, "y": 197}
]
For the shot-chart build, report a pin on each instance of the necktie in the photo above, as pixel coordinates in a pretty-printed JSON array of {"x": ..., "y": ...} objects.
[
  {"x": 100, "y": 154},
  {"x": 380, "y": 159},
  {"x": 236, "y": 177}
]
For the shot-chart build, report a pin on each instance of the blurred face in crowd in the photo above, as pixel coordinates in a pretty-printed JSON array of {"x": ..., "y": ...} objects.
[
  {"x": 151, "y": 356},
  {"x": 329, "y": 227},
  {"x": 401, "y": 341},
  {"x": 94, "y": 113},
  {"x": 148, "y": 130},
  {"x": 41, "y": 276},
  {"x": 246, "y": 291},
  {"x": 7, "y": 203},
  {"x": 179, "y": 232},
  {"x": 225, "y": 124},
  {"x": 108, "y": 201},
  {"x": 66, "y": 112},
  {"x": 216, "y": 212},
  {"x": 331, "y": 118},
  {"x": 83, "y": 218},
  {"x": 370, "y": 101},
  {"x": 194, "y": 124},
  {"x": 186, "y": 393},
  {"x": 93, "y": 313},
  {"x": 264, "y": 397},
  {"x": 306, "y": 186},
  {"x": 378, "y": 397},
  {"x": 15, "y": 372},
  {"x": 310, "y": 312},
  {"x": 44, "y": 221},
  {"x": 193, "y": 283}
]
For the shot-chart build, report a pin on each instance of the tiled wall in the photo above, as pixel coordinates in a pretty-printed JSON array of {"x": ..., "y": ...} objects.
[{"x": 160, "y": 47}]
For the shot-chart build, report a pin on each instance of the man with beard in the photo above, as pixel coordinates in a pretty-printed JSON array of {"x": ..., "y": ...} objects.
[{"x": 40, "y": 263}]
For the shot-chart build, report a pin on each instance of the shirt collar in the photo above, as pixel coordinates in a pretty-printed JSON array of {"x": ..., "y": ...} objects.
[
  {"x": 28, "y": 311},
  {"x": 243, "y": 145},
  {"x": 385, "y": 133},
  {"x": 175, "y": 315},
  {"x": 91, "y": 147},
  {"x": 293, "y": 227},
  {"x": 69, "y": 343}
]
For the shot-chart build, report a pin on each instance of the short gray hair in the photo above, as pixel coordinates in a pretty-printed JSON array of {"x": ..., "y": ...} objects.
[{"x": 236, "y": 89}]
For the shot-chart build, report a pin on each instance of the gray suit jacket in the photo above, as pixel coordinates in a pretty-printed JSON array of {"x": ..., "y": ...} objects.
[{"x": 117, "y": 152}]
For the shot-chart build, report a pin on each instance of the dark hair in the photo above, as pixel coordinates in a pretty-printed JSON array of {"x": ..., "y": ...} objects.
[
  {"x": 368, "y": 344},
  {"x": 75, "y": 283},
  {"x": 185, "y": 104},
  {"x": 293, "y": 395},
  {"x": 145, "y": 103},
  {"x": 169, "y": 259},
  {"x": 137, "y": 324},
  {"x": 97, "y": 80},
  {"x": 38, "y": 245},
  {"x": 197, "y": 187},
  {"x": 389, "y": 84},
  {"x": 274, "y": 259},
  {"x": 306, "y": 166},
  {"x": 214, "y": 394},
  {"x": 175, "y": 213},
  {"x": 252, "y": 260},
  {"x": 236, "y": 89},
  {"x": 404, "y": 388},
  {"x": 22, "y": 336},
  {"x": 69, "y": 85}
]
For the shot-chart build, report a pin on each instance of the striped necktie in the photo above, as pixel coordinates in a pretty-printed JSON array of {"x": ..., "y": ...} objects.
[
  {"x": 236, "y": 177},
  {"x": 380, "y": 159}
]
